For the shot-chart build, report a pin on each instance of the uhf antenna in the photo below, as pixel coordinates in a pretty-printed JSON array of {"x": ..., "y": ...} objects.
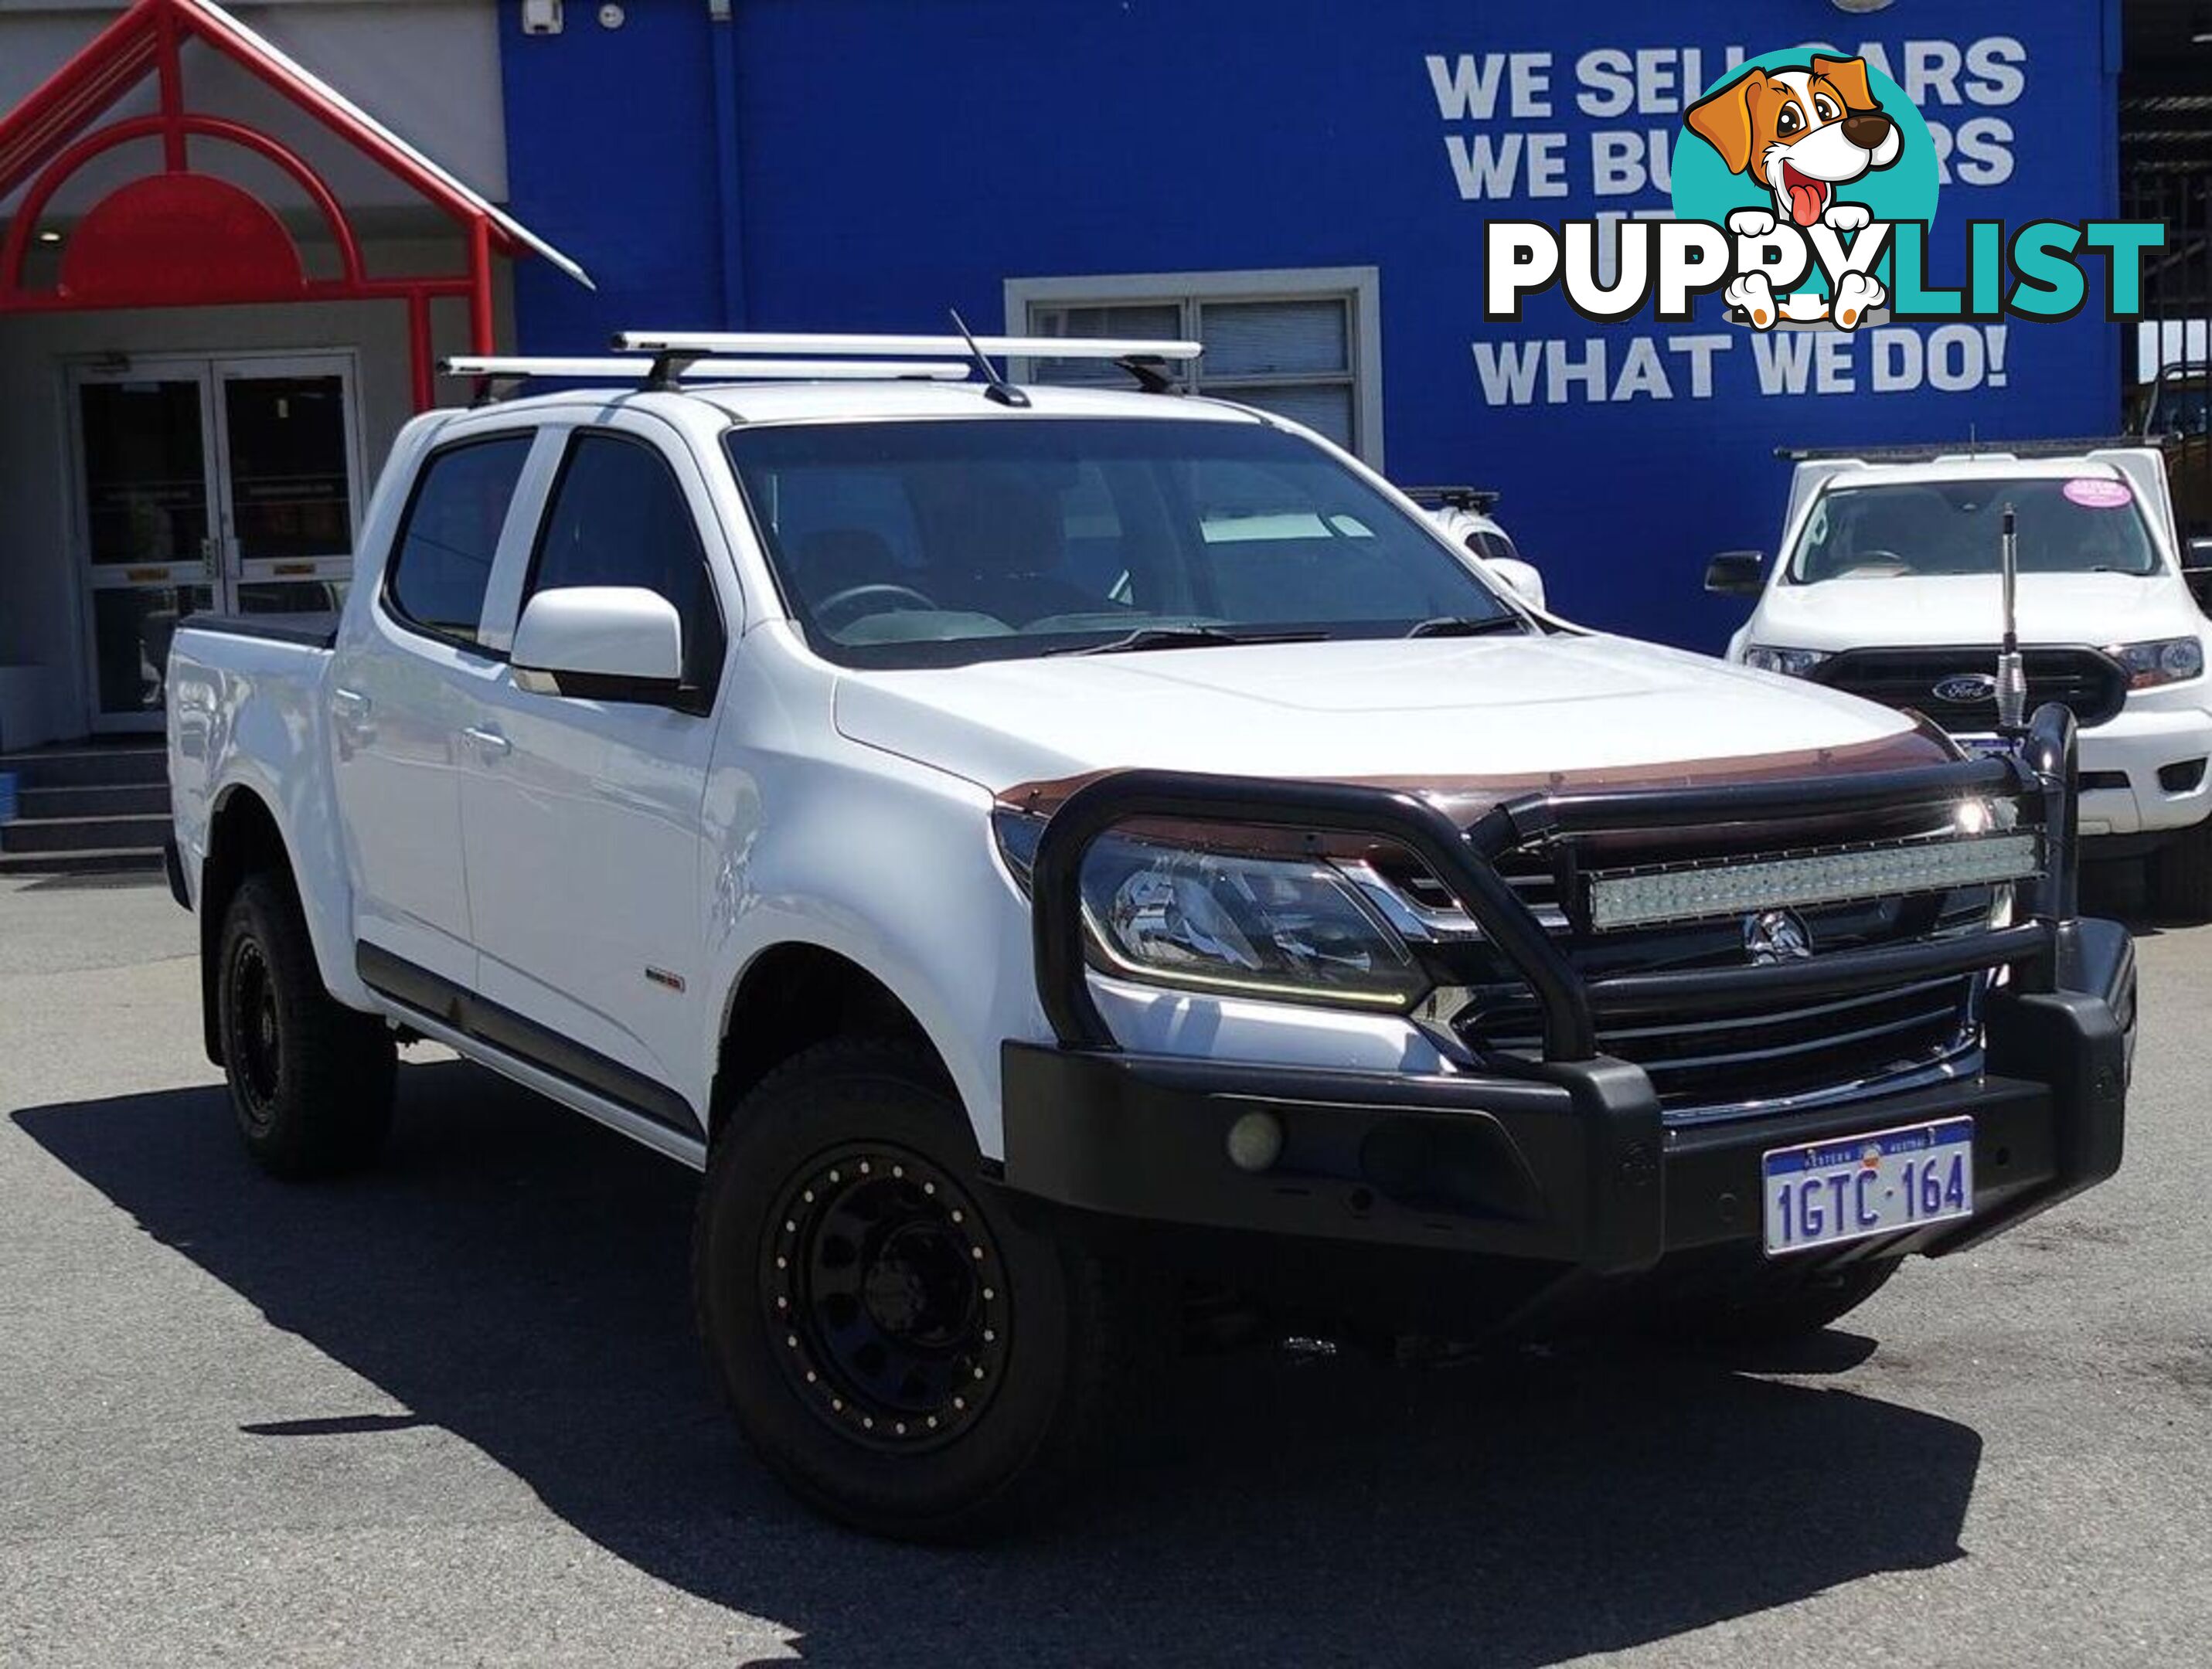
[
  {"x": 1000, "y": 390},
  {"x": 2012, "y": 678}
]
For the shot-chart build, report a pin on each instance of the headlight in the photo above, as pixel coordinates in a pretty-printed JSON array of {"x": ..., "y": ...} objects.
[
  {"x": 1261, "y": 927},
  {"x": 2168, "y": 660},
  {"x": 1794, "y": 663}
]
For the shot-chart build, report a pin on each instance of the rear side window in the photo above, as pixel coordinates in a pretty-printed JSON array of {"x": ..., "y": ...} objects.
[
  {"x": 443, "y": 562},
  {"x": 619, "y": 517}
]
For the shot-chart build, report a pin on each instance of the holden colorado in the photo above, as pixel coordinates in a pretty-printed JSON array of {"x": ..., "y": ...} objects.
[{"x": 1070, "y": 863}]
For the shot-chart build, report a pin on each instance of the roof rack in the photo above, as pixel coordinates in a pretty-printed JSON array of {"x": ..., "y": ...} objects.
[
  {"x": 1927, "y": 451},
  {"x": 517, "y": 367},
  {"x": 700, "y": 344},
  {"x": 1480, "y": 499},
  {"x": 771, "y": 356}
]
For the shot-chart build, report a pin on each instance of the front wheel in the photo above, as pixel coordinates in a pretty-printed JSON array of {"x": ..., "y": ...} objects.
[{"x": 906, "y": 1355}]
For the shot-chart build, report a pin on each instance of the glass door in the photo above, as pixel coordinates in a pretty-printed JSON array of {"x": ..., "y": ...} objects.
[
  {"x": 288, "y": 484},
  {"x": 149, "y": 531},
  {"x": 229, "y": 484}
]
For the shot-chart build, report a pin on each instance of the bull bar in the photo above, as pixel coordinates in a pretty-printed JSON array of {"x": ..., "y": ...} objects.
[{"x": 1570, "y": 1156}]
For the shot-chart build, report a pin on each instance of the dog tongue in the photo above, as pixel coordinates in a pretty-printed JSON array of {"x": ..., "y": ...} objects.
[{"x": 1804, "y": 202}]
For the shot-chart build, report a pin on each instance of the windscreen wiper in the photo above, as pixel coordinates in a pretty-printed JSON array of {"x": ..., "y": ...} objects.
[
  {"x": 1467, "y": 626},
  {"x": 1181, "y": 637}
]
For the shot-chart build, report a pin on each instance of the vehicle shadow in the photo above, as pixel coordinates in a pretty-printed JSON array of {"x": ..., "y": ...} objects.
[{"x": 519, "y": 1277}]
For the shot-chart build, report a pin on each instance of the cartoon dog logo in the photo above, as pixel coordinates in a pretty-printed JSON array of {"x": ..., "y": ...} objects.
[{"x": 1801, "y": 133}]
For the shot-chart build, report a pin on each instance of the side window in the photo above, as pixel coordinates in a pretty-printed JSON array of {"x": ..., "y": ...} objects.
[
  {"x": 619, "y": 517},
  {"x": 443, "y": 560}
]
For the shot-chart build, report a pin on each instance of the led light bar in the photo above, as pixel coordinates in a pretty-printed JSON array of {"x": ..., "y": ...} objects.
[{"x": 1626, "y": 900}]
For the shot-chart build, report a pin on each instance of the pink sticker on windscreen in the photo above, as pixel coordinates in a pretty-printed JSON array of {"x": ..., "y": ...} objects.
[{"x": 2095, "y": 493}]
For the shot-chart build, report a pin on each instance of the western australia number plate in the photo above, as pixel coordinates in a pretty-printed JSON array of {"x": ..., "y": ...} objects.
[{"x": 1861, "y": 1186}]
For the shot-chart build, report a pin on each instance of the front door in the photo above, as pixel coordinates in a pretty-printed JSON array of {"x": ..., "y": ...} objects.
[
  {"x": 229, "y": 484},
  {"x": 596, "y": 804}
]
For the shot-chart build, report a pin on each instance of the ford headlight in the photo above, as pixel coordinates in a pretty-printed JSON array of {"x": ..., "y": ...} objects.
[
  {"x": 1792, "y": 663},
  {"x": 2167, "y": 661},
  {"x": 1284, "y": 928}
]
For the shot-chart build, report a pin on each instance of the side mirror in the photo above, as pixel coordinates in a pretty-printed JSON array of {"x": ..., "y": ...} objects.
[
  {"x": 1523, "y": 579},
  {"x": 611, "y": 643},
  {"x": 1736, "y": 573}
]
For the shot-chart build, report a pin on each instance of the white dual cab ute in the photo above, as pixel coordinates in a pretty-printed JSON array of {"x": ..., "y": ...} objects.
[
  {"x": 1069, "y": 864},
  {"x": 1888, "y": 586}
]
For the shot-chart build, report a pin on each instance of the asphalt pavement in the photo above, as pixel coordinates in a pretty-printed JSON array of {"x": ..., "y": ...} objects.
[{"x": 452, "y": 1413}]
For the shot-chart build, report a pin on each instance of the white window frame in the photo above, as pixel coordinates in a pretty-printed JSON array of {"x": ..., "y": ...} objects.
[{"x": 1361, "y": 286}]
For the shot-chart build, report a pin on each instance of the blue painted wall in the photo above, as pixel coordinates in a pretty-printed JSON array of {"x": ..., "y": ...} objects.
[{"x": 873, "y": 162}]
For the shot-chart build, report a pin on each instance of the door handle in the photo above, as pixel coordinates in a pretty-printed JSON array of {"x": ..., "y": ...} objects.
[
  {"x": 348, "y": 703},
  {"x": 489, "y": 743}
]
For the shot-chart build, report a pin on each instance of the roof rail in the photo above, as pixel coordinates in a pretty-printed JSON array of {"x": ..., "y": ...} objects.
[{"x": 1926, "y": 451}]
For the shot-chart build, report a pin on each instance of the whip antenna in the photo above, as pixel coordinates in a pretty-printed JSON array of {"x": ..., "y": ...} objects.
[{"x": 2012, "y": 678}]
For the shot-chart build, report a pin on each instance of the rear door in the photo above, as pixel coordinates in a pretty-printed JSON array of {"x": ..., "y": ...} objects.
[
  {"x": 403, "y": 687},
  {"x": 582, "y": 817}
]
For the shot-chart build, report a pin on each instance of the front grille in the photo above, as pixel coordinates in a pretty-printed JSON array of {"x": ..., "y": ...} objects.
[
  {"x": 1729, "y": 1059},
  {"x": 2090, "y": 683},
  {"x": 1738, "y": 1059}
]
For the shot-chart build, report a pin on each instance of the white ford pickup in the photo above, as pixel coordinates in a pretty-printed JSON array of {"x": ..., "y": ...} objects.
[
  {"x": 1066, "y": 863},
  {"x": 1888, "y": 586}
]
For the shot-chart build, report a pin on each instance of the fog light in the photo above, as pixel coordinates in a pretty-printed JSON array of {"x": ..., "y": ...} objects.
[
  {"x": 1256, "y": 1141},
  {"x": 2183, "y": 777}
]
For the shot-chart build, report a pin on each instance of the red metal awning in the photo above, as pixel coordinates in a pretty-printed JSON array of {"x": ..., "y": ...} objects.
[{"x": 184, "y": 238}]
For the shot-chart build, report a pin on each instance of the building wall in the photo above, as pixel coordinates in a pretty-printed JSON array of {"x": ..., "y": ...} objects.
[{"x": 859, "y": 164}]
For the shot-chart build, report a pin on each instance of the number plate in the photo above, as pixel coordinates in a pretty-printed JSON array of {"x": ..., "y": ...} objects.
[
  {"x": 1860, "y": 1186},
  {"x": 1981, "y": 746}
]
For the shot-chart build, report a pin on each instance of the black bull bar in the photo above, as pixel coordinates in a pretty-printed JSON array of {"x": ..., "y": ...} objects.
[
  {"x": 2039, "y": 777},
  {"x": 1609, "y": 1187}
]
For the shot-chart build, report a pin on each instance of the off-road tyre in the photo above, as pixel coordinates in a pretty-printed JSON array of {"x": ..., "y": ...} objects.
[
  {"x": 2181, "y": 875},
  {"x": 906, "y": 1354},
  {"x": 311, "y": 1080}
]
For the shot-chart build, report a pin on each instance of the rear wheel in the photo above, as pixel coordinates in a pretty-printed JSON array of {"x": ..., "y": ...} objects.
[
  {"x": 311, "y": 1080},
  {"x": 2181, "y": 875},
  {"x": 905, "y": 1355}
]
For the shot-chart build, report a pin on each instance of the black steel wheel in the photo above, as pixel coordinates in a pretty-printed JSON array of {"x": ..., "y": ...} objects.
[
  {"x": 908, "y": 1357},
  {"x": 253, "y": 1038},
  {"x": 888, "y": 1284},
  {"x": 311, "y": 1080}
]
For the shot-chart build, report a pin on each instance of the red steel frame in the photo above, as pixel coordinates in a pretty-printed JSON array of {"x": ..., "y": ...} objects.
[{"x": 50, "y": 134}]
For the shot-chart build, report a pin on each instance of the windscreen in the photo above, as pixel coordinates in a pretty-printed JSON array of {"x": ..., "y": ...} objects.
[
  {"x": 942, "y": 542},
  {"x": 2080, "y": 524}
]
